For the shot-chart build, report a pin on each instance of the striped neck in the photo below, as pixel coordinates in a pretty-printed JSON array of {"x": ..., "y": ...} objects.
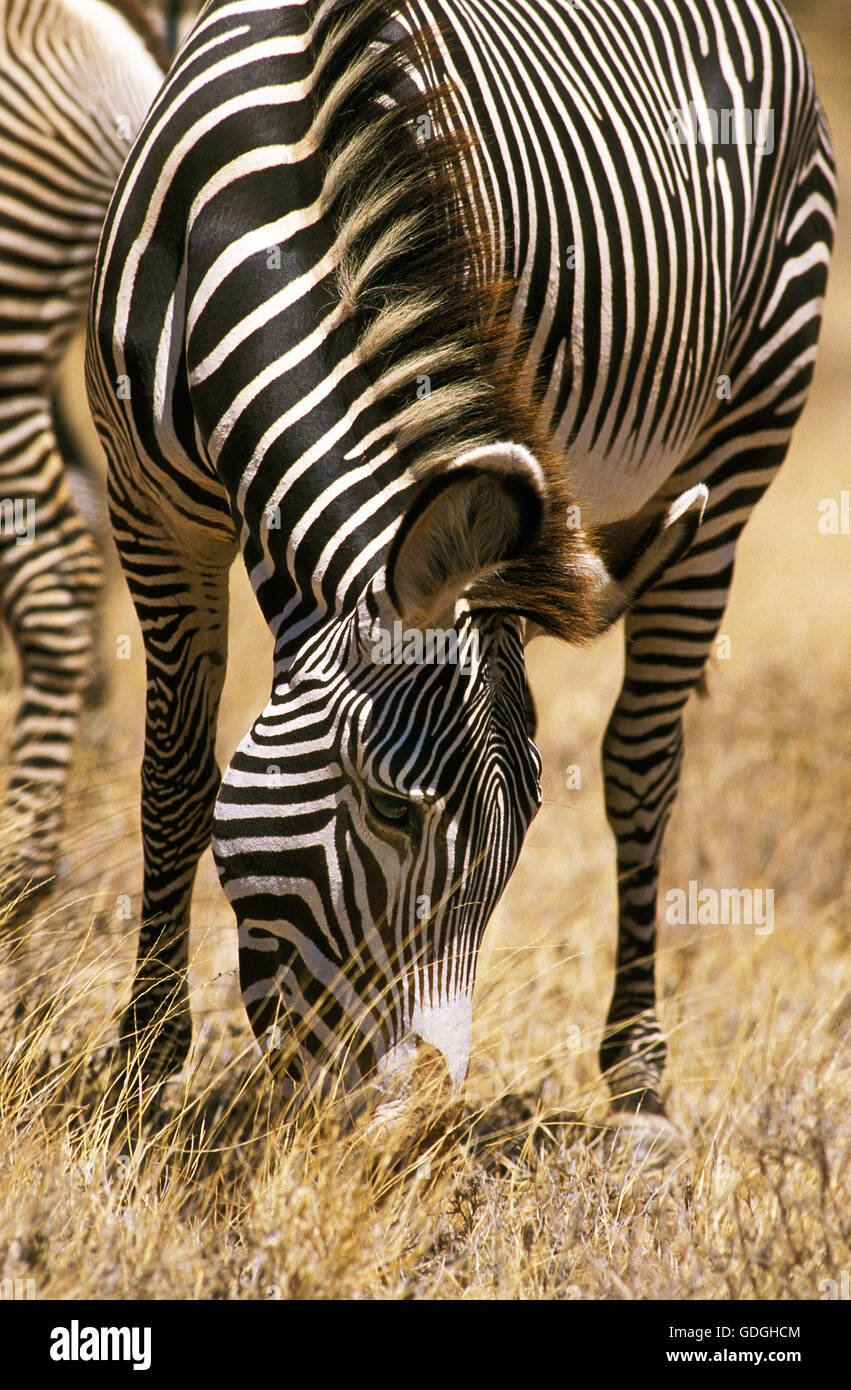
[{"x": 391, "y": 334}]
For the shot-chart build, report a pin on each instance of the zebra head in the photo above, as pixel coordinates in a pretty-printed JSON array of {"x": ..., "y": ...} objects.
[{"x": 369, "y": 822}]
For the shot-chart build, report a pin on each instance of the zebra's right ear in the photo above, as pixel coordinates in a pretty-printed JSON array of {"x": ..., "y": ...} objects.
[{"x": 485, "y": 511}]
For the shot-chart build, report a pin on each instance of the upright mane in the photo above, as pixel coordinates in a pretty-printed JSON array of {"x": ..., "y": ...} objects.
[{"x": 431, "y": 318}]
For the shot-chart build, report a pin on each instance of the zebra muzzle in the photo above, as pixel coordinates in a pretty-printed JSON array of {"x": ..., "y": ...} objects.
[{"x": 416, "y": 1107}]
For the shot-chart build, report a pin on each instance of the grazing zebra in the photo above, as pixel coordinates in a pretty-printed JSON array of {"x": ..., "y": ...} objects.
[
  {"x": 76, "y": 78},
  {"x": 446, "y": 318}
]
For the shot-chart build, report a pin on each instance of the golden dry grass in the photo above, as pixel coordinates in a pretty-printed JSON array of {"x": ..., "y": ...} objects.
[{"x": 210, "y": 1195}]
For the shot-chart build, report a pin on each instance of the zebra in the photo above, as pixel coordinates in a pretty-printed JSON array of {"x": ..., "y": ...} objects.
[
  {"x": 458, "y": 318},
  {"x": 76, "y": 78}
]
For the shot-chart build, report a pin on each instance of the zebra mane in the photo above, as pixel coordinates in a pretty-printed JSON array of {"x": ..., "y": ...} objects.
[{"x": 432, "y": 320}]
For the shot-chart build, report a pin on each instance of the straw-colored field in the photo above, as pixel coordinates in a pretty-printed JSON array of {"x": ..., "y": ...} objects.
[{"x": 213, "y": 1200}]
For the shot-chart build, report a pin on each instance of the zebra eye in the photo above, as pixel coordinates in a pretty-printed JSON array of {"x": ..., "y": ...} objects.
[{"x": 391, "y": 810}]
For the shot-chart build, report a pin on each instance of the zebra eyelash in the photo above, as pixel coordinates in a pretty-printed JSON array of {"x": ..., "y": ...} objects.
[{"x": 392, "y": 812}]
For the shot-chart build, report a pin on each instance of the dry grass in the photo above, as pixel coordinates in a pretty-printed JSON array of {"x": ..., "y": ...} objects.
[{"x": 209, "y": 1194}]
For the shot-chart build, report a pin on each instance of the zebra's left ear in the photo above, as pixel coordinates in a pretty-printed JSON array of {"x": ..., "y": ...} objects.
[
  {"x": 633, "y": 554},
  {"x": 484, "y": 511},
  {"x": 574, "y": 583}
]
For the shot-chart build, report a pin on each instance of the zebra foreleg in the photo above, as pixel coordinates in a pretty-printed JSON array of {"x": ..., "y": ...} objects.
[
  {"x": 186, "y": 656},
  {"x": 669, "y": 635},
  {"x": 671, "y": 629}
]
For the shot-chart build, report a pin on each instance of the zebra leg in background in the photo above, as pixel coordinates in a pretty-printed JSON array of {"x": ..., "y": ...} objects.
[
  {"x": 88, "y": 492},
  {"x": 186, "y": 654},
  {"x": 50, "y": 579},
  {"x": 668, "y": 637},
  {"x": 75, "y": 82},
  {"x": 670, "y": 631}
]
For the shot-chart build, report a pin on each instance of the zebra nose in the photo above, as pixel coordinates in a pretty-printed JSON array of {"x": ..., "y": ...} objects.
[
  {"x": 418, "y": 1110},
  {"x": 430, "y": 1072},
  {"x": 413, "y": 1076}
]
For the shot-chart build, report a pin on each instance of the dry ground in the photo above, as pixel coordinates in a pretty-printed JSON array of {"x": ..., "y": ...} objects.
[{"x": 213, "y": 1198}]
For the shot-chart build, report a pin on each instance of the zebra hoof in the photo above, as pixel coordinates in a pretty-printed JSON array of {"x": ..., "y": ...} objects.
[
  {"x": 646, "y": 1140},
  {"x": 153, "y": 1047}
]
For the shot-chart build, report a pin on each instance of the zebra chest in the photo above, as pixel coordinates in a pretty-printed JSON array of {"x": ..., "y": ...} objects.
[
  {"x": 633, "y": 379},
  {"x": 614, "y": 486}
]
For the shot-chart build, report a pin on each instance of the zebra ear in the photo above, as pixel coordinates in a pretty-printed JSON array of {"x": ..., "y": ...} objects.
[
  {"x": 484, "y": 511},
  {"x": 633, "y": 554}
]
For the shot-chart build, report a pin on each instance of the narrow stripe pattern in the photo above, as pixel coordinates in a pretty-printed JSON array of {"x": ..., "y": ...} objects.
[
  {"x": 76, "y": 78},
  {"x": 453, "y": 318}
]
